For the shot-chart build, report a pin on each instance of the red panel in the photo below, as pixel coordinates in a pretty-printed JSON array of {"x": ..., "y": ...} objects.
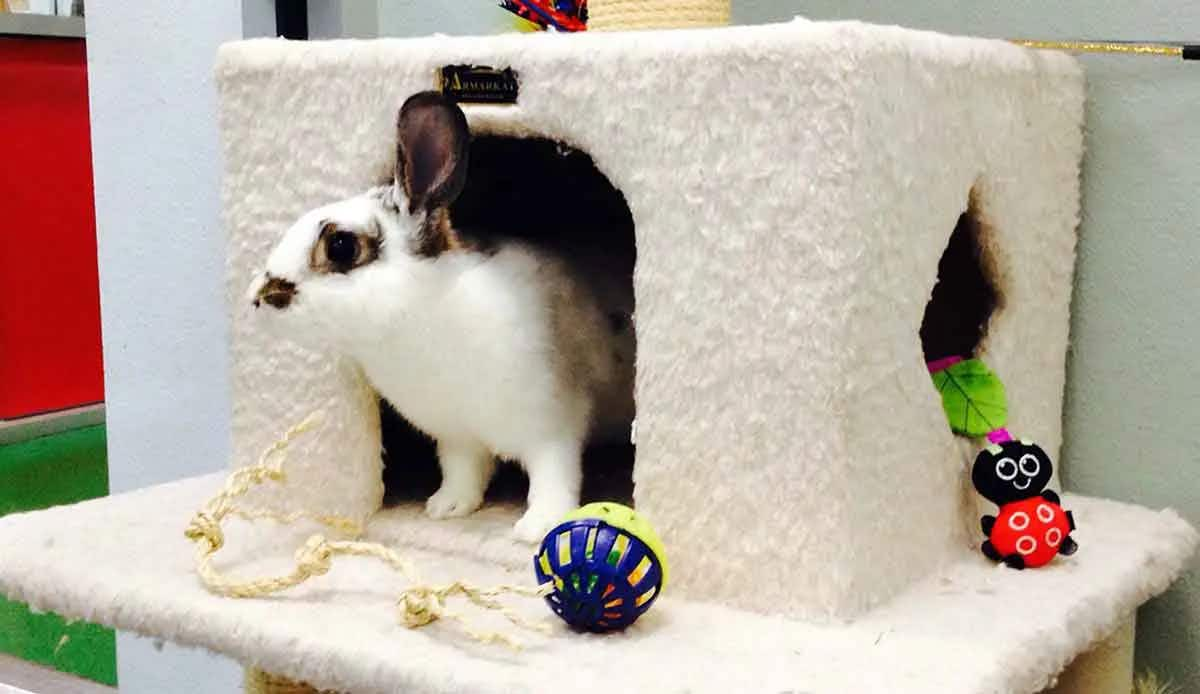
[{"x": 49, "y": 289}]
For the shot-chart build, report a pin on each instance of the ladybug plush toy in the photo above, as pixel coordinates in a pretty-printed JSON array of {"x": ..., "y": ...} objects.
[{"x": 1031, "y": 527}]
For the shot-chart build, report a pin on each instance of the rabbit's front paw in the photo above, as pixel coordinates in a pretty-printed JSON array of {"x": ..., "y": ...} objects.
[
  {"x": 538, "y": 521},
  {"x": 453, "y": 501}
]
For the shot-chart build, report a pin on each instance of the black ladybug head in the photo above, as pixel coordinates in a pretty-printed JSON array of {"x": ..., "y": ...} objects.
[{"x": 1011, "y": 471}]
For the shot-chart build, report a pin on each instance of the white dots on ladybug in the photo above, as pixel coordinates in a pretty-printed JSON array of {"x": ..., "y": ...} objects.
[
  {"x": 1018, "y": 521},
  {"x": 1030, "y": 466},
  {"x": 1044, "y": 513},
  {"x": 1006, "y": 469},
  {"x": 1053, "y": 537},
  {"x": 1026, "y": 545}
]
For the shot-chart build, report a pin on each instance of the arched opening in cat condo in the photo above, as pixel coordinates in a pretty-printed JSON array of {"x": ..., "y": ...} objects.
[
  {"x": 549, "y": 195},
  {"x": 966, "y": 294}
]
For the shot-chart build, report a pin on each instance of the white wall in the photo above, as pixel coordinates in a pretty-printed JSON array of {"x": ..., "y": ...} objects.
[
  {"x": 161, "y": 256},
  {"x": 157, "y": 171}
]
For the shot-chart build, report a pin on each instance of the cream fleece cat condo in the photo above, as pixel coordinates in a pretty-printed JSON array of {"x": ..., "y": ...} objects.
[{"x": 793, "y": 187}]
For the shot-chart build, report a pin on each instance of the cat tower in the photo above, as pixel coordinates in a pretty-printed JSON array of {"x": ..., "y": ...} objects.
[{"x": 793, "y": 187}]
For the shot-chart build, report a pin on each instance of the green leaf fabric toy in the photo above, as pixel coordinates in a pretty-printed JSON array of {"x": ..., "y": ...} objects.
[{"x": 972, "y": 396}]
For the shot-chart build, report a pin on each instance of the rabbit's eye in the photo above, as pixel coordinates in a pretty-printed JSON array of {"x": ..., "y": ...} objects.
[{"x": 341, "y": 248}]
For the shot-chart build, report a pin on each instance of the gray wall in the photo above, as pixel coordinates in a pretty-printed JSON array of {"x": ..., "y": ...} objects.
[
  {"x": 1131, "y": 415},
  {"x": 460, "y": 17}
]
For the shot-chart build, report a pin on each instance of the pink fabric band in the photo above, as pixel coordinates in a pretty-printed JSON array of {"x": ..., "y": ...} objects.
[{"x": 942, "y": 364}]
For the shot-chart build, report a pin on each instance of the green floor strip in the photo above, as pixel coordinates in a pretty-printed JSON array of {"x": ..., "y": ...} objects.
[{"x": 59, "y": 469}]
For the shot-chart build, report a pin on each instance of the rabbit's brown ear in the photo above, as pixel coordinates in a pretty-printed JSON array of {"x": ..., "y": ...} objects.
[{"x": 431, "y": 162}]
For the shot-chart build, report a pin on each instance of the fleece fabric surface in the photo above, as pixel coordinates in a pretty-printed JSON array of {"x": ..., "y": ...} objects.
[
  {"x": 793, "y": 187},
  {"x": 970, "y": 627}
]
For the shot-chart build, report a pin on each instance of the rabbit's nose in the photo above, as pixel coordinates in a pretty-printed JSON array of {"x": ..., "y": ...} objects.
[{"x": 277, "y": 292}]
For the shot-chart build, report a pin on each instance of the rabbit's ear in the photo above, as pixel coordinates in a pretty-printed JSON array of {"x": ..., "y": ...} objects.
[{"x": 431, "y": 162}]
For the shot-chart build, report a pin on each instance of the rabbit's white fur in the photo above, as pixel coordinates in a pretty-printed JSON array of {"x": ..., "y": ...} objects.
[{"x": 498, "y": 353}]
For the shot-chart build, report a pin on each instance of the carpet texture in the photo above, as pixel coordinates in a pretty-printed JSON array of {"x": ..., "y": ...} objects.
[{"x": 970, "y": 627}]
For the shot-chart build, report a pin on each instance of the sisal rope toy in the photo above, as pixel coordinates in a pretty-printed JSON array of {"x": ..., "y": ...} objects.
[{"x": 418, "y": 605}]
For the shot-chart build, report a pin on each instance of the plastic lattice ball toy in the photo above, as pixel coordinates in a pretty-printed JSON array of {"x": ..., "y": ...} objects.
[{"x": 606, "y": 564}]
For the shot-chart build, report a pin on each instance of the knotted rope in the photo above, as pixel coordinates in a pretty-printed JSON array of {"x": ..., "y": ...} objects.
[{"x": 418, "y": 605}]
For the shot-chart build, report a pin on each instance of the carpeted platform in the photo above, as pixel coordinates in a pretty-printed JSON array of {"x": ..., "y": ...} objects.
[{"x": 970, "y": 627}]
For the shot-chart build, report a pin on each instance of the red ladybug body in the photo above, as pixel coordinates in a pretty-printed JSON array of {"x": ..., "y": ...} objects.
[{"x": 1032, "y": 528}]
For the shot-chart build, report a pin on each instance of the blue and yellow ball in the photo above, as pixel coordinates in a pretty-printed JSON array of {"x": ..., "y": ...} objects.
[{"x": 606, "y": 564}]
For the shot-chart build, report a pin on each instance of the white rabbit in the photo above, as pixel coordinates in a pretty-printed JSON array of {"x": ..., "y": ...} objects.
[{"x": 499, "y": 351}]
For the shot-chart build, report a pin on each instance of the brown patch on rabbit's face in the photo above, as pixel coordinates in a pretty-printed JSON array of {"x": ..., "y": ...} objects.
[
  {"x": 338, "y": 250},
  {"x": 276, "y": 292}
]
